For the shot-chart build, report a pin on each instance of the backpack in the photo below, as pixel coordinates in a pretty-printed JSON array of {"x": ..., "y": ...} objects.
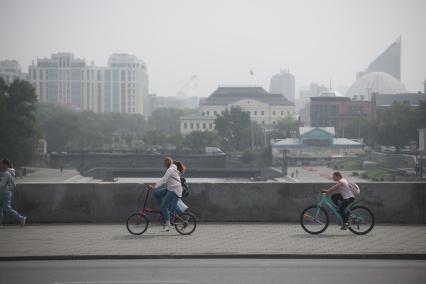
[
  {"x": 354, "y": 188},
  {"x": 185, "y": 187}
]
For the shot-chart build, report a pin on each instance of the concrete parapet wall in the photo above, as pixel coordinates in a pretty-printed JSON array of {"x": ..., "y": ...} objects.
[{"x": 393, "y": 202}]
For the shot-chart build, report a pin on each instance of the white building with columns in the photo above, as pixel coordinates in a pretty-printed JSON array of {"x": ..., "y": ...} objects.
[
  {"x": 266, "y": 109},
  {"x": 62, "y": 79}
]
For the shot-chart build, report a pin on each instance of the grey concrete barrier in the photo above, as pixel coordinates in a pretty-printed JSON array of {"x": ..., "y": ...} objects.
[{"x": 391, "y": 202}]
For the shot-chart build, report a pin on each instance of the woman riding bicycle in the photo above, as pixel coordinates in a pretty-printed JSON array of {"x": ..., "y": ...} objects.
[
  {"x": 345, "y": 197},
  {"x": 168, "y": 197}
]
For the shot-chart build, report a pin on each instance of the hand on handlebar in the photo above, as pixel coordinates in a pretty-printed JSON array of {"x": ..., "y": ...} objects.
[
  {"x": 324, "y": 191},
  {"x": 150, "y": 187}
]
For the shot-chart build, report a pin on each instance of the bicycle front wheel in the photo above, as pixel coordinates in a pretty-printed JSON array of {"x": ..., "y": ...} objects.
[
  {"x": 314, "y": 219},
  {"x": 361, "y": 220},
  {"x": 185, "y": 223},
  {"x": 137, "y": 224}
]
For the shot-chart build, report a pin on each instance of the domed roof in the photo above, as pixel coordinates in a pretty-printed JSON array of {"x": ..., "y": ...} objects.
[{"x": 375, "y": 82}]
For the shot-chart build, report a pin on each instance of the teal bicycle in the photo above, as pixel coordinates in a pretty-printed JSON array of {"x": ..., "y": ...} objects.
[{"x": 315, "y": 218}]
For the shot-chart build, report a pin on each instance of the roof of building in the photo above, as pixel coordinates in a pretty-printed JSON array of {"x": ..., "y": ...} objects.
[
  {"x": 376, "y": 82},
  {"x": 305, "y": 130},
  {"x": 411, "y": 98},
  {"x": 296, "y": 142},
  {"x": 229, "y": 95}
]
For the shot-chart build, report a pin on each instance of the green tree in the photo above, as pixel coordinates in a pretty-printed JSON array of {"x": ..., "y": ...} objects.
[
  {"x": 167, "y": 119},
  {"x": 234, "y": 128},
  {"x": 285, "y": 128},
  {"x": 155, "y": 137},
  {"x": 197, "y": 141},
  {"x": 19, "y": 133},
  {"x": 364, "y": 128},
  {"x": 396, "y": 126}
]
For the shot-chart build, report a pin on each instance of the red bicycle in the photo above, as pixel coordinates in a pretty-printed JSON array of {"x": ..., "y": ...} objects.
[{"x": 137, "y": 223}]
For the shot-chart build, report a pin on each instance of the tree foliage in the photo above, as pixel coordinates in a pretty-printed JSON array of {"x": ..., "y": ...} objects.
[
  {"x": 19, "y": 133},
  {"x": 197, "y": 141},
  {"x": 396, "y": 126},
  {"x": 234, "y": 128}
]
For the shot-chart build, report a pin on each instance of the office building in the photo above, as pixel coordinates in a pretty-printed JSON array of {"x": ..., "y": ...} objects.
[
  {"x": 265, "y": 108},
  {"x": 389, "y": 61},
  {"x": 10, "y": 71},
  {"x": 63, "y": 79},
  {"x": 337, "y": 111},
  {"x": 283, "y": 83}
]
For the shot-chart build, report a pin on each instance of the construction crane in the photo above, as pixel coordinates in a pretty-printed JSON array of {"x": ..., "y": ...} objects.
[{"x": 190, "y": 84}]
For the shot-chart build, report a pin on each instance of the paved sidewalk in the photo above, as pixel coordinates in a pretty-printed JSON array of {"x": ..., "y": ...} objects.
[{"x": 210, "y": 239}]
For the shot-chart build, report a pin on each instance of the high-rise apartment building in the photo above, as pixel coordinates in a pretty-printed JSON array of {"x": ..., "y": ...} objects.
[
  {"x": 283, "y": 83},
  {"x": 122, "y": 86},
  {"x": 10, "y": 70}
]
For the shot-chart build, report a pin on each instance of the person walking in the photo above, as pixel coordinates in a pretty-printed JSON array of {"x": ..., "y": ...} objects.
[{"x": 7, "y": 185}]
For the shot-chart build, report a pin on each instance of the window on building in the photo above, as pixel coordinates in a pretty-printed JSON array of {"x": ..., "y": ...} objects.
[
  {"x": 255, "y": 112},
  {"x": 192, "y": 125},
  {"x": 263, "y": 112},
  {"x": 198, "y": 125},
  {"x": 288, "y": 113},
  {"x": 208, "y": 113},
  {"x": 263, "y": 122},
  {"x": 273, "y": 113},
  {"x": 202, "y": 113},
  {"x": 214, "y": 112},
  {"x": 210, "y": 125},
  {"x": 185, "y": 125},
  {"x": 273, "y": 122},
  {"x": 204, "y": 125},
  {"x": 282, "y": 113}
]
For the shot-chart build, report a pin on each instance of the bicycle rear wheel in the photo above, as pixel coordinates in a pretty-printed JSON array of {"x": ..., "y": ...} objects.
[
  {"x": 314, "y": 219},
  {"x": 361, "y": 220},
  {"x": 137, "y": 224},
  {"x": 185, "y": 223}
]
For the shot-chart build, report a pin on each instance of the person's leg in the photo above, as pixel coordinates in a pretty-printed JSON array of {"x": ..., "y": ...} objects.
[
  {"x": 343, "y": 207},
  {"x": 7, "y": 207},
  {"x": 168, "y": 201},
  {"x": 336, "y": 198},
  {"x": 159, "y": 194}
]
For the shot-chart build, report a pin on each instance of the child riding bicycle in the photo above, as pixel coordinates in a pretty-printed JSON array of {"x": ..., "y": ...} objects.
[{"x": 342, "y": 199}]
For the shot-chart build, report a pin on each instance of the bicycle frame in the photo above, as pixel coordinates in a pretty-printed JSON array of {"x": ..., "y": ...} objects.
[
  {"x": 147, "y": 210},
  {"x": 325, "y": 201}
]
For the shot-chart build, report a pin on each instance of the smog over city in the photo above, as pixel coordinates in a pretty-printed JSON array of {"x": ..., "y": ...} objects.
[{"x": 212, "y": 141}]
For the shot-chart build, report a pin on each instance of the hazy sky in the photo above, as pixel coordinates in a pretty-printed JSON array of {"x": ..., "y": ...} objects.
[{"x": 221, "y": 40}]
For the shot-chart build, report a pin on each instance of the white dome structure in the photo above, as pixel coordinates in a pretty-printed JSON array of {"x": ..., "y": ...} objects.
[{"x": 375, "y": 82}]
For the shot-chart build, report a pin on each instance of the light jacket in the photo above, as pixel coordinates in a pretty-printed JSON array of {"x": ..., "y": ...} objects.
[
  {"x": 172, "y": 180},
  {"x": 7, "y": 179}
]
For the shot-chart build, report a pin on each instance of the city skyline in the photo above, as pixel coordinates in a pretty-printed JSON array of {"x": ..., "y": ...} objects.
[{"x": 223, "y": 53}]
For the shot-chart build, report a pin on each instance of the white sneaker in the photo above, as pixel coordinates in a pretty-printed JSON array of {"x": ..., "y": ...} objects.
[{"x": 166, "y": 228}]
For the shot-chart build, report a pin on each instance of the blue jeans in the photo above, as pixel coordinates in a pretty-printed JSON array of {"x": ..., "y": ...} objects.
[
  {"x": 170, "y": 200},
  {"x": 6, "y": 207},
  {"x": 160, "y": 193}
]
